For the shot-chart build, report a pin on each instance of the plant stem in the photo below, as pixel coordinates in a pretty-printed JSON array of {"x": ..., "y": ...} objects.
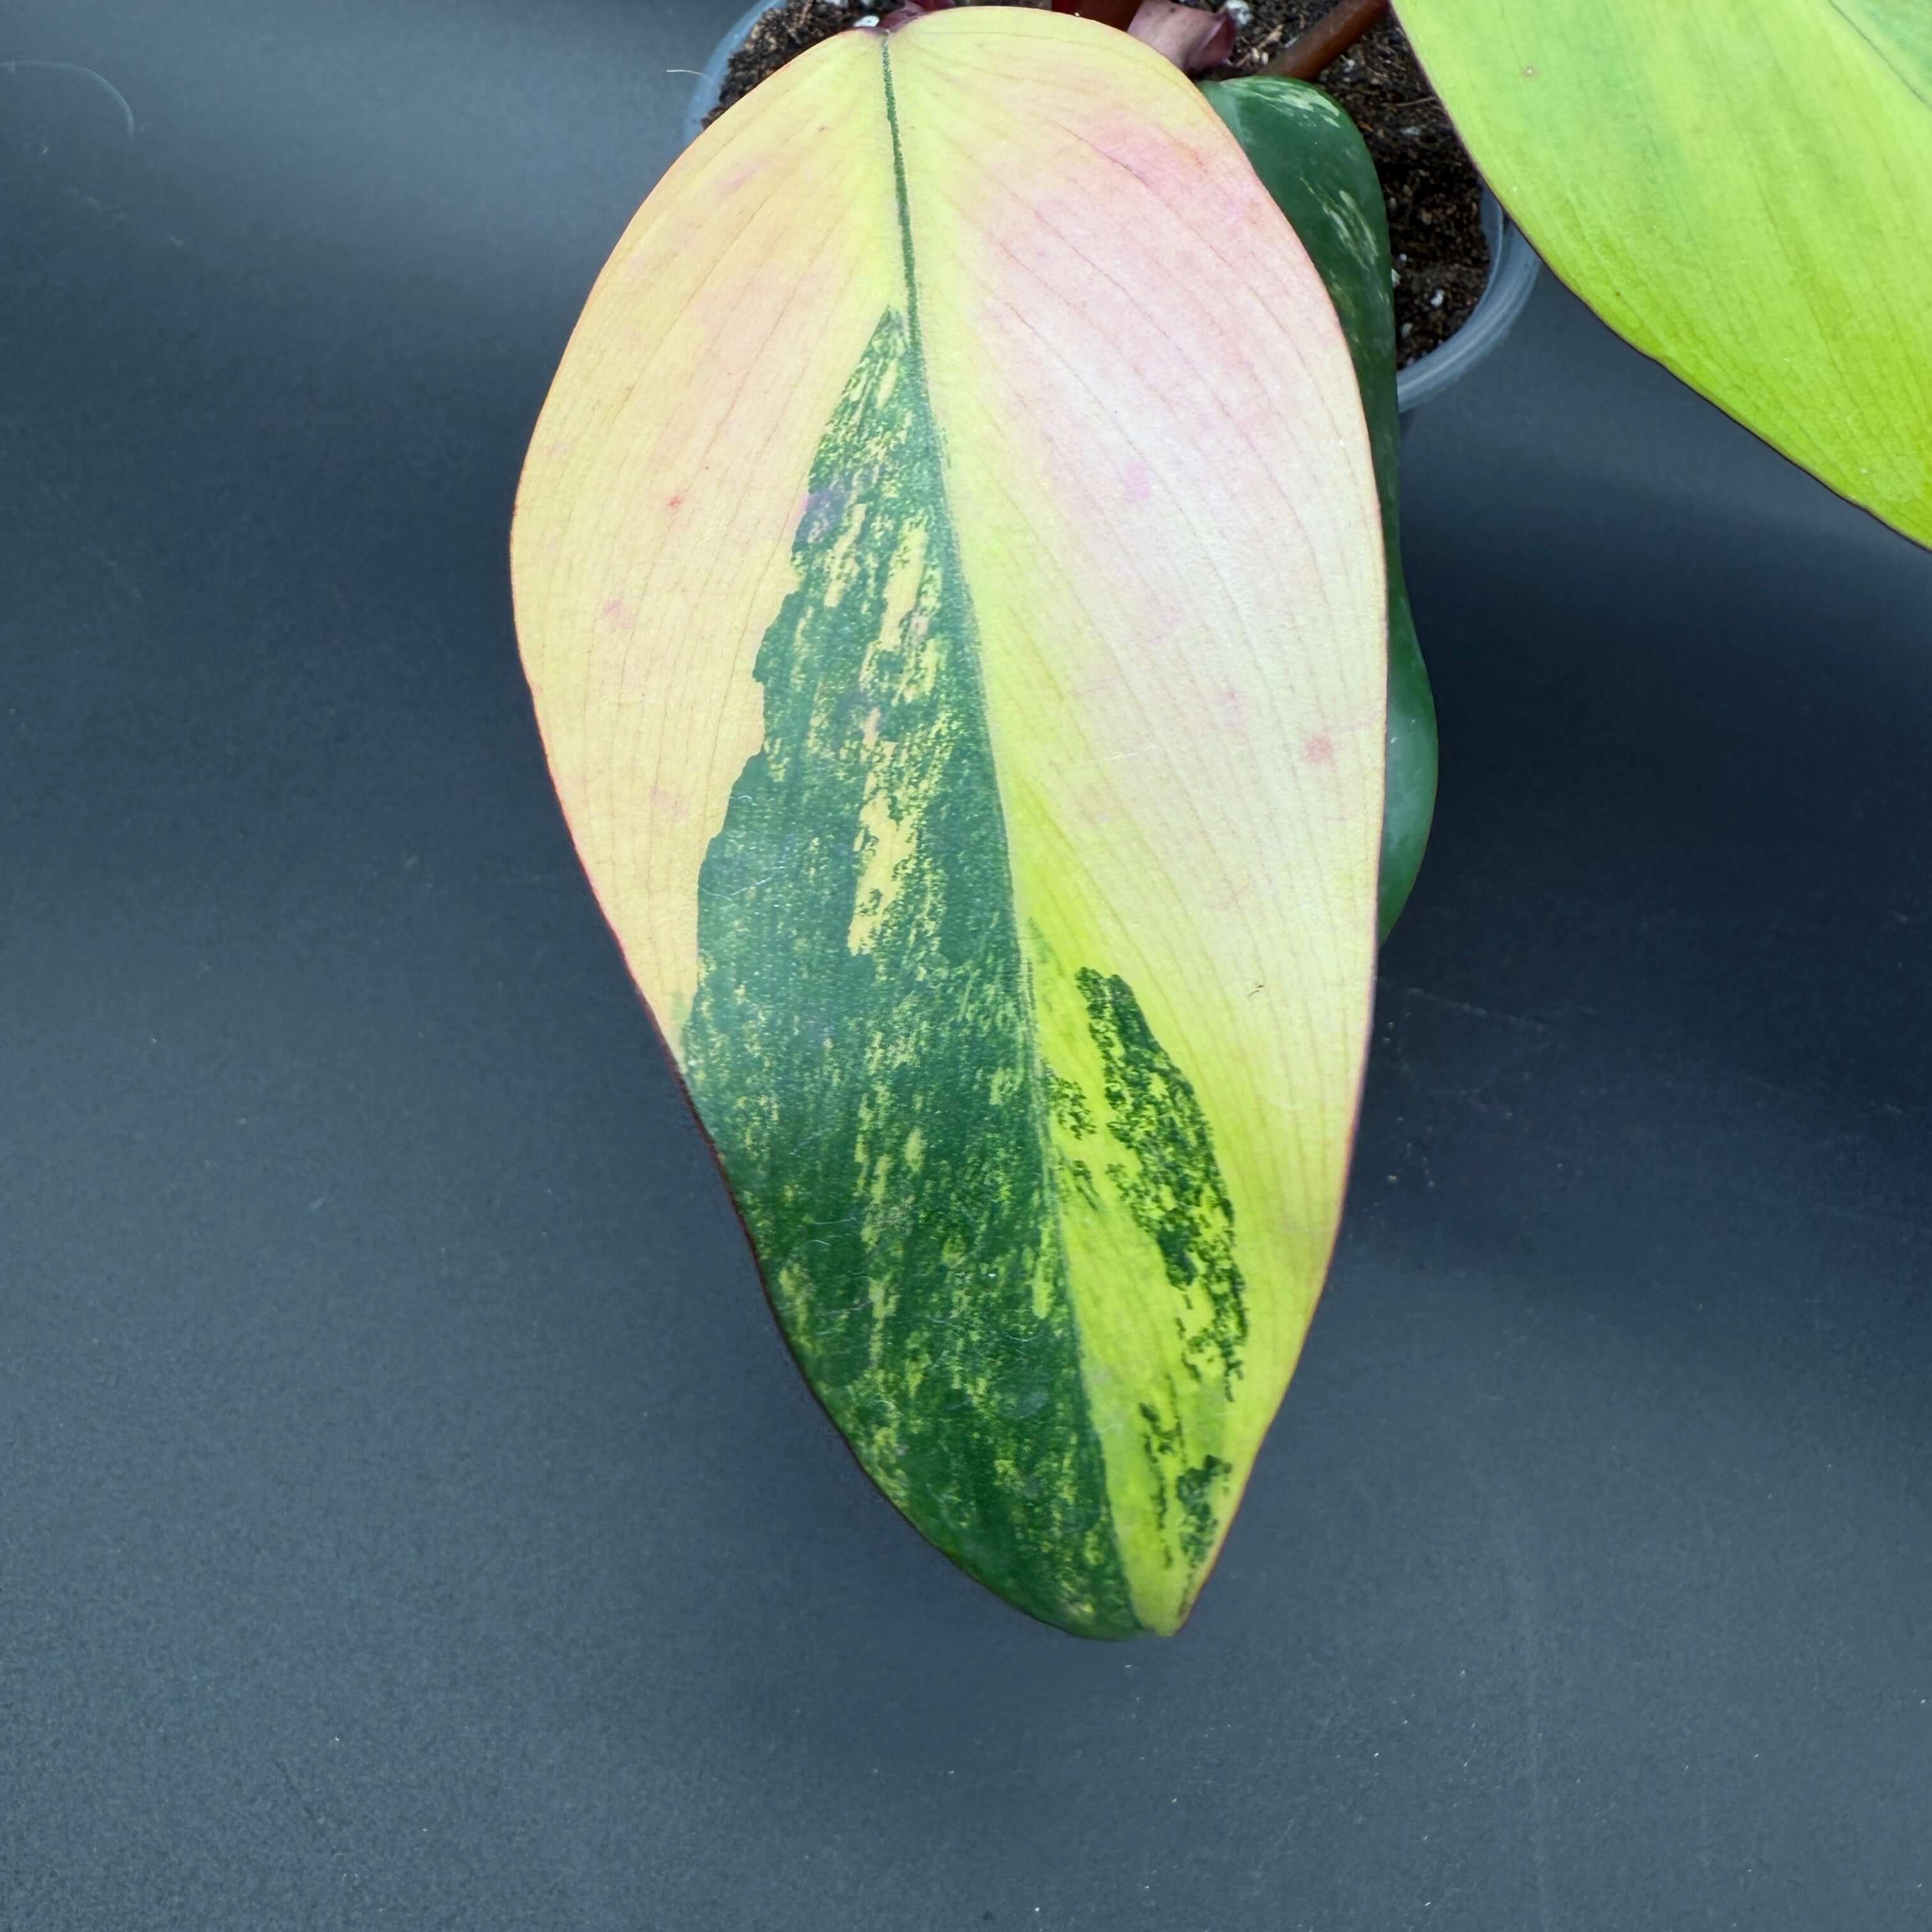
[
  {"x": 1314, "y": 47},
  {"x": 1109, "y": 12}
]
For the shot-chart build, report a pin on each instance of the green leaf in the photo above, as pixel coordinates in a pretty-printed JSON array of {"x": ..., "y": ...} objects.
[
  {"x": 1312, "y": 161},
  {"x": 1744, "y": 191}
]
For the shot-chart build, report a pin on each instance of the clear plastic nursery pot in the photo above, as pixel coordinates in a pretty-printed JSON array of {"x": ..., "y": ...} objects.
[{"x": 1513, "y": 263}]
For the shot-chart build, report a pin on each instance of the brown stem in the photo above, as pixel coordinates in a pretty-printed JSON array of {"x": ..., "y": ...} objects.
[{"x": 1337, "y": 31}]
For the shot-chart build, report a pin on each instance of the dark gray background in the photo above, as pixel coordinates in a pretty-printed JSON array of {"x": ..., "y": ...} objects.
[{"x": 411, "y": 1516}]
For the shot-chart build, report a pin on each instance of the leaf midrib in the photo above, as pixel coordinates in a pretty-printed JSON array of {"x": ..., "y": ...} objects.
[{"x": 1037, "y": 1107}]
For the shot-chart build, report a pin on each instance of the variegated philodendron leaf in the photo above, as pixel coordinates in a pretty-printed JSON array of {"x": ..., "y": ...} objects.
[{"x": 949, "y": 573}]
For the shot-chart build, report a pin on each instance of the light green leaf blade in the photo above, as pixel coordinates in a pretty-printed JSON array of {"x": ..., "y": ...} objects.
[{"x": 1742, "y": 191}]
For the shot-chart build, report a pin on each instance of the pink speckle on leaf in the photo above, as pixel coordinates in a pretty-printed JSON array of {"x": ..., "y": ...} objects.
[
  {"x": 1139, "y": 482},
  {"x": 818, "y": 502},
  {"x": 616, "y": 611},
  {"x": 1230, "y": 709},
  {"x": 1319, "y": 749}
]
